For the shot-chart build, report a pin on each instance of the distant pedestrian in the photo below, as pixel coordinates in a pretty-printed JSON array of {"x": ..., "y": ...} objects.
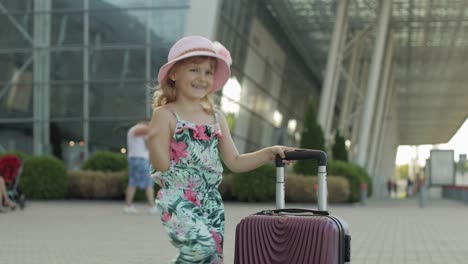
[
  {"x": 409, "y": 187},
  {"x": 389, "y": 187},
  {"x": 138, "y": 168}
]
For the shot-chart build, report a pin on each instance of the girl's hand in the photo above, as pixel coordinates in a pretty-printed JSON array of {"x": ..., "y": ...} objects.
[{"x": 273, "y": 150}]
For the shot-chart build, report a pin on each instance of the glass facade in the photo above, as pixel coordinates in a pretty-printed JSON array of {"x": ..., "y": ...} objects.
[
  {"x": 274, "y": 85},
  {"x": 75, "y": 74}
]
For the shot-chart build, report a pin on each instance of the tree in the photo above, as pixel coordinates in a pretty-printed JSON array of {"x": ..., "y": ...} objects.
[
  {"x": 402, "y": 172},
  {"x": 339, "y": 148},
  {"x": 311, "y": 138}
]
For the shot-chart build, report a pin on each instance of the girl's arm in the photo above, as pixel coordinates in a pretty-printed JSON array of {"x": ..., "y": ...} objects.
[
  {"x": 244, "y": 162},
  {"x": 140, "y": 130},
  {"x": 159, "y": 138}
]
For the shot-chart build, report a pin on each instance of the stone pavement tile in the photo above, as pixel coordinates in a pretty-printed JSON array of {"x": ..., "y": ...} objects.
[{"x": 72, "y": 232}]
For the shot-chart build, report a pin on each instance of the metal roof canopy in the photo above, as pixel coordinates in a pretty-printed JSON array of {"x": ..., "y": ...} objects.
[{"x": 430, "y": 72}]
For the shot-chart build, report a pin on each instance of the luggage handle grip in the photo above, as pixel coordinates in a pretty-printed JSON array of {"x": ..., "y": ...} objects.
[
  {"x": 303, "y": 154},
  {"x": 301, "y": 211}
]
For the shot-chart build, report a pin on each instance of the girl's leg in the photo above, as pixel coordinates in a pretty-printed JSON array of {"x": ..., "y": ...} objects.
[
  {"x": 149, "y": 191},
  {"x": 190, "y": 231},
  {"x": 3, "y": 194}
]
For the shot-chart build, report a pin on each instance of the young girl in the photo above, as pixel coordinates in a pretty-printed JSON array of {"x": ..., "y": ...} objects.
[{"x": 186, "y": 140}]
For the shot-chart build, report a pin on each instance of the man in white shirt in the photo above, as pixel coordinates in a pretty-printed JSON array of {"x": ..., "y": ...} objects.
[{"x": 138, "y": 168}]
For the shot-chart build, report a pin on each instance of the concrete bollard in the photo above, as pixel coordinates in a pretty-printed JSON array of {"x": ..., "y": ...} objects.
[{"x": 363, "y": 194}]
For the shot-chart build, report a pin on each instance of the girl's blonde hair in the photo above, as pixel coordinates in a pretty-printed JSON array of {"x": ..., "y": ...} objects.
[{"x": 165, "y": 93}]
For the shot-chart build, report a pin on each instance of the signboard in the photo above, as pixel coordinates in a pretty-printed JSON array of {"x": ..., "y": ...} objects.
[
  {"x": 442, "y": 167},
  {"x": 462, "y": 158}
]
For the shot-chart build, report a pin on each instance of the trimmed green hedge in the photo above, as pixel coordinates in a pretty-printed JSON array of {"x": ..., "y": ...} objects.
[
  {"x": 106, "y": 161},
  {"x": 255, "y": 185},
  {"x": 355, "y": 175},
  {"x": 44, "y": 177}
]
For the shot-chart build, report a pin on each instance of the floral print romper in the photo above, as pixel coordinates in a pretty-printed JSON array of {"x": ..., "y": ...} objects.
[{"x": 192, "y": 210}]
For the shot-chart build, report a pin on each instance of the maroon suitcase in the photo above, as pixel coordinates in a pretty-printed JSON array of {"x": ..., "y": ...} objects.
[{"x": 294, "y": 236}]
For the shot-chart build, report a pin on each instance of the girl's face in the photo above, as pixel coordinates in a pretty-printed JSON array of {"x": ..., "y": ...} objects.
[{"x": 194, "y": 77}]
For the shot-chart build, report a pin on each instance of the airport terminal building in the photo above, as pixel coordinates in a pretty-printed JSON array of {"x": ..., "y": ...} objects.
[{"x": 75, "y": 74}]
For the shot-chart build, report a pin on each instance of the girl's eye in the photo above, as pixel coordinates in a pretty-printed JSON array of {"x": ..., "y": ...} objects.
[
  {"x": 194, "y": 70},
  {"x": 209, "y": 72}
]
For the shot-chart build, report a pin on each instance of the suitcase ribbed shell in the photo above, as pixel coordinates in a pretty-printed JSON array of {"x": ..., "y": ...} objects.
[{"x": 263, "y": 239}]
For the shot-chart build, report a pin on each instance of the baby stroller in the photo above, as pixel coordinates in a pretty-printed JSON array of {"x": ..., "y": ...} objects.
[{"x": 10, "y": 169}]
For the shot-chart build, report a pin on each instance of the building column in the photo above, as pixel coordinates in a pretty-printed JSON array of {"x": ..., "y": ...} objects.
[
  {"x": 345, "y": 114},
  {"x": 41, "y": 68},
  {"x": 86, "y": 78},
  {"x": 372, "y": 86},
  {"x": 383, "y": 100},
  {"x": 357, "y": 108},
  {"x": 328, "y": 93},
  {"x": 148, "y": 67},
  {"x": 387, "y": 154}
]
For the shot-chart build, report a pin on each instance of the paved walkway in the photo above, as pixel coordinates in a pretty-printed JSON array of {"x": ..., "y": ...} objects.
[{"x": 69, "y": 232}]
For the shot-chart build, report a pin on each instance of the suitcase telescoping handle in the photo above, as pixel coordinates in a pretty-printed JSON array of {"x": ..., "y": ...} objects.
[{"x": 303, "y": 154}]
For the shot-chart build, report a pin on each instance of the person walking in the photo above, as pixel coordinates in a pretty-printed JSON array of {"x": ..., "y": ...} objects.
[{"x": 138, "y": 168}]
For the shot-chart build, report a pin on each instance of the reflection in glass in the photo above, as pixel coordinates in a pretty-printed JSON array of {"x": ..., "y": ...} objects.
[
  {"x": 118, "y": 26},
  {"x": 277, "y": 118},
  {"x": 110, "y": 135},
  {"x": 117, "y": 99},
  {"x": 66, "y": 100},
  {"x": 17, "y": 30},
  {"x": 16, "y": 137},
  {"x": 16, "y": 93},
  {"x": 72, "y": 70},
  {"x": 63, "y": 136},
  {"x": 292, "y": 124},
  {"x": 231, "y": 97},
  {"x": 67, "y": 29},
  {"x": 120, "y": 64}
]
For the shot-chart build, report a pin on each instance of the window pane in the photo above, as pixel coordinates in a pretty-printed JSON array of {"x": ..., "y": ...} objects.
[
  {"x": 66, "y": 100},
  {"x": 12, "y": 62},
  {"x": 19, "y": 36},
  {"x": 66, "y": 139},
  {"x": 117, "y": 64},
  {"x": 14, "y": 6},
  {"x": 118, "y": 26},
  {"x": 66, "y": 65},
  {"x": 67, "y": 4},
  {"x": 67, "y": 28},
  {"x": 109, "y": 135},
  {"x": 117, "y": 99},
  {"x": 17, "y": 137},
  {"x": 174, "y": 21},
  {"x": 16, "y": 87}
]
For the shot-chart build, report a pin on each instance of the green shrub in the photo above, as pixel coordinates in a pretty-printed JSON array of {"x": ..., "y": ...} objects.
[
  {"x": 301, "y": 189},
  {"x": 44, "y": 177},
  {"x": 339, "y": 148},
  {"x": 354, "y": 174},
  {"x": 255, "y": 185},
  {"x": 225, "y": 188},
  {"x": 311, "y": 138},
  {"x": 96, "y": 184},
  {"x": 106, "y": 161},
  {"x": 364, "y": 176}
]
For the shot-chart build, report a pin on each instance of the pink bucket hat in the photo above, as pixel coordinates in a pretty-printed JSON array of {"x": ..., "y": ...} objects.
[{"x": 199, "y": 46}]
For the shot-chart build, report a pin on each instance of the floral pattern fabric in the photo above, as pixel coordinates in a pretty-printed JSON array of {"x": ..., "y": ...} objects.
[{"x": 191, "y": 206}]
